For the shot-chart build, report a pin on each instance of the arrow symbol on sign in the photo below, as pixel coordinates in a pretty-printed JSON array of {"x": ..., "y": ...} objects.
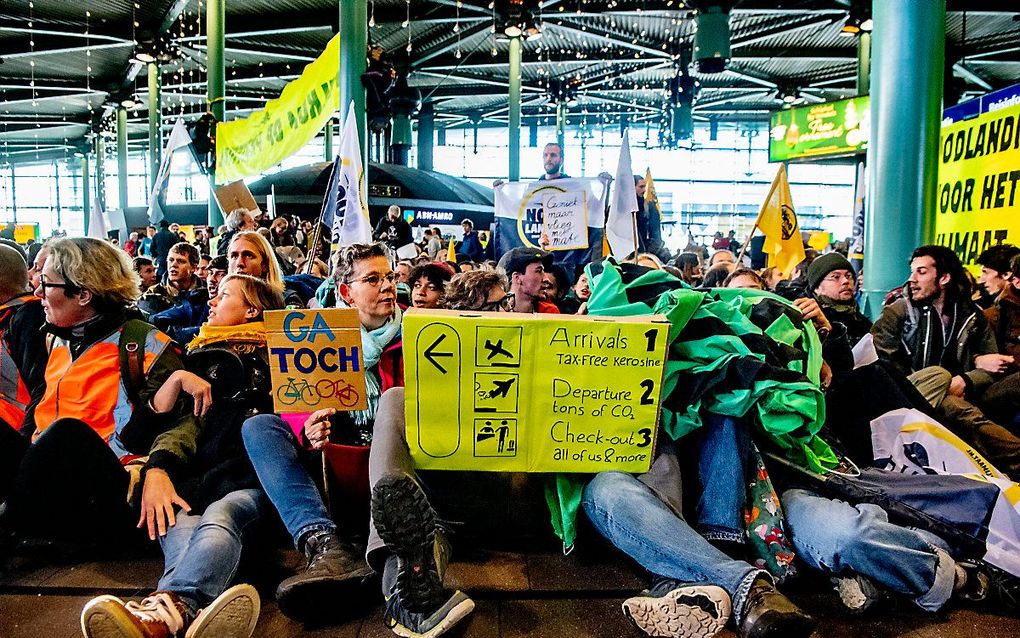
[{"x": 432, "y": 355}]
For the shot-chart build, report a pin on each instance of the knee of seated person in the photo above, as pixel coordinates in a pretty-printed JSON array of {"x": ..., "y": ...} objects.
[
  {"x": 936, "y": 375},
  {"x": 62, "y": 428},
  {"x": 607, "y": 486},
  {"x": 260, "y": 423}
]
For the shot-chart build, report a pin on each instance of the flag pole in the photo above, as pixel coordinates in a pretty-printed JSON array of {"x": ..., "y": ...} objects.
[
  {"x": 743, "y": 248},
  {"x": 633, "y": 225},
  {"x": 317, "y": 233},
  {"x": 605, "y": 218}
]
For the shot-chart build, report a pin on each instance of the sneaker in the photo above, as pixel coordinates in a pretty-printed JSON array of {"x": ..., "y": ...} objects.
[
  {"x": 973, "y": 582},
  {"x": 672, "y": 609},
  {"x": 769, "y": 614},
  {"x": 233, "y": 614},
  {"x": 336, "y": 571},
  {"x": 407, "y": 524},
  {"x": 160, "y": 615},
  {"x": 411, "y": 624},
  {"x": 857, "y": 593}
]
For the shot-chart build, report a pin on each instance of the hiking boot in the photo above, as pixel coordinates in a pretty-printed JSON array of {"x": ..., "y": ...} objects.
[
  {"x": 160, "y": 615},
  {"x": 673, "y": 609},
  {"x": 407, "y": 524},
  {"x": 335, "y": 572},
  {"x": 769, "y": 614},
  {"x": 857, "y": 593},
  {"x": 429, "y": 623},
  {"x": 233, "y": 614}
]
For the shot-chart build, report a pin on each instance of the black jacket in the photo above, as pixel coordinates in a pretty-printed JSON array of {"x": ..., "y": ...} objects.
[{"x": 21, "y": 331}]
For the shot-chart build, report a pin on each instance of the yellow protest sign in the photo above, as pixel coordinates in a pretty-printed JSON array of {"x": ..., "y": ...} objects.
[
  {"x": 284, "y": 125},
  {"x": 978, "y": 200},
  {"x": 507, "y": 392},
  {"x": 315, "y": 360}
]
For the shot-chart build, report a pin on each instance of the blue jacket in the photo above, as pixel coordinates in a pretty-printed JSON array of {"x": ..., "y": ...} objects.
[{"x": 182, "y": 321}]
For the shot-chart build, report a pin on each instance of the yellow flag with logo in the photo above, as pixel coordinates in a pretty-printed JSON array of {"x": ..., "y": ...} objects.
[
  {"x": 451, "y": 252},
  {"x": 284, "y": 125},
  {"x": 778, "y": 221}
]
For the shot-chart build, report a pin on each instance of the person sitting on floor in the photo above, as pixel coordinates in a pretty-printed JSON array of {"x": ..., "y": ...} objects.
[
  {"x": 335, "y": 571},
  {"x": 183, "y": 320},
  {"x": 89, "y": 419},
  {"x": 200, "y": 495},
  {"x": 427, "y": 283},
  {"x": 249, "y": 253},
  {"x": 22, "y": 350},
  {"x": 181, "y": 282}
]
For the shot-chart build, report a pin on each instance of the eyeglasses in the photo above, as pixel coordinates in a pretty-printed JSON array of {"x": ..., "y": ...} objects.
[
  {"x": 65, "y": 284},
  {"x": 506, "y": 303},
  {"x": 836, "y": 277},
  {"x": 376, "y": 280}
]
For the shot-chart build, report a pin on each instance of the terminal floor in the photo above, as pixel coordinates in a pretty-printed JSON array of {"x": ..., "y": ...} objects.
[{"x": 537, "y": 594}]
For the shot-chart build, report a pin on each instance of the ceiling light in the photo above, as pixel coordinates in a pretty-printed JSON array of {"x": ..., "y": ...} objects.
[
  {"x": 128, "y": 103},
  {"x": 513, "y": 30},
  {"x": 867, "y": 25},
  {"x": 851, "y": 27},
  {"x": 144, "y": 57}
]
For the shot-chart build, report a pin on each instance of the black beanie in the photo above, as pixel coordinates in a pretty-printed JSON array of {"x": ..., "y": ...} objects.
[{"x": 825, "y": 264}]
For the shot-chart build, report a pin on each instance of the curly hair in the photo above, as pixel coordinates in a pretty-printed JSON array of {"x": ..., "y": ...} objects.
[
  {"x": 347, "y": 256},
  {"x": 470, "y": 290},
  {"x": 99, "y": 267},
  {"x": 947, "y": 262}
]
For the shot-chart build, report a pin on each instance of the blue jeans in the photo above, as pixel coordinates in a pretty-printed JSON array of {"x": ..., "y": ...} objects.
[
  {"x": 273, "y": 451},
  {"x": 834, "y": 536},
  {"x": 202, "y": 551},
  {"x": 718, "y": 454},
  {"x": 628, "y": 513}
]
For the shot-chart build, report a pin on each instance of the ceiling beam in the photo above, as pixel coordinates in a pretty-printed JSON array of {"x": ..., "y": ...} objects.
[
  {"x": 452, "y": 42},
  {"x": 606, "y": 36}
]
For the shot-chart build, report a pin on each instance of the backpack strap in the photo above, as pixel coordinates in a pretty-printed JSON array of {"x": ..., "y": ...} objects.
[{"x": 132, "y": 357}]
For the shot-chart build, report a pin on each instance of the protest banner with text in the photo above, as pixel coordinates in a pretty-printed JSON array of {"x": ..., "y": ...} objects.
[
  {"x": 315, "y": 360},
  {"x": 978, "y": 199},
  {"x": 504, "y": 392}
]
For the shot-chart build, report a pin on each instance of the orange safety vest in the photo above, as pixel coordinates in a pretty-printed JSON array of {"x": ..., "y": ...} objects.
[
  {"x": 14, "y": 395},
  {"x": 90, "y": 388}
]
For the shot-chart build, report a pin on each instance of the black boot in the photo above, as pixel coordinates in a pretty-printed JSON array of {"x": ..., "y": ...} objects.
[
  {"x": 769, "y": 614},
  {"x": 337, "y": 575}
]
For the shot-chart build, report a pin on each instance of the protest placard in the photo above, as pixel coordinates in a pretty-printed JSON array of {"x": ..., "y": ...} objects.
[
  {"x": 509, "y": 392},
  {"x": 565, "y": 220},
  {"x": 315, "y": 360}
]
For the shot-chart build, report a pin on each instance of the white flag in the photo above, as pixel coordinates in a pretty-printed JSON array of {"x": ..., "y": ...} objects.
[
  {"x": 179, "y": 139},
  {"x": 352, "y": 226},
  {"x": 620, "y": 225},
  {"x": 98, "y": 226}
]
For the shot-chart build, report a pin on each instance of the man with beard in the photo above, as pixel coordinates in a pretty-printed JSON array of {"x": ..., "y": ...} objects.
[
  {"x": 832, "y": 280},
  {"x": 941, "y": 340}
]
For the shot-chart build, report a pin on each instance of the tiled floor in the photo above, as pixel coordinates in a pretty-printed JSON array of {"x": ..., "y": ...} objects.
[{"x": 538, "y": 595}]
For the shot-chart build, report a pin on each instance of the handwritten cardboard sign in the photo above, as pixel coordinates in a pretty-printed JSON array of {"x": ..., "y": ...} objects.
[
  {"x": 507, "y": 392},
  {"x": 565, "y": 220},
  {"x": 315, "y": 360}
]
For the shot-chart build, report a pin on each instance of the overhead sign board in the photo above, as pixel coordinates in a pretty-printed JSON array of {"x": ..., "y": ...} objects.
[{"x": 830, "y": 129}]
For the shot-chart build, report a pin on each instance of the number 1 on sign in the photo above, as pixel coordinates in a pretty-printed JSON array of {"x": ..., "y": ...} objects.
[{"x": 651, "y": 335}]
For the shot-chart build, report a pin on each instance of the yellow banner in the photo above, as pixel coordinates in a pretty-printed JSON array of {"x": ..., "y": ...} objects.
[
  {"x": 263, "y": 139},
  {"x": 507, "y": 392},
  {"x": 978, "y": 203},
  {"x": 315, "y": 360}
]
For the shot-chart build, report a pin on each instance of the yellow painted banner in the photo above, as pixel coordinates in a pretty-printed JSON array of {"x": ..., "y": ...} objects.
[
  {"x": 978, "y": 203},
  {"x": 315, "y": 360},
  {"x": 507, "y": 392},
  {"x": 263, "y": 139}
]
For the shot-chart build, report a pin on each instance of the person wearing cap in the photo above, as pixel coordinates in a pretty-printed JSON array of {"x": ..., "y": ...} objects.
[
  {"x": 525, "y": 269},
  {"x": 832, "y": 281}
]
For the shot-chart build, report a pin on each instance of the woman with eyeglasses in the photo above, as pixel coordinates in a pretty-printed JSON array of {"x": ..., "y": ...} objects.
[
  {"x": 286, "y": 461},
  {"x": 205, "y": 502},
  {"x": 483, "y": 290},
  {"x": 91, "y": 421}
]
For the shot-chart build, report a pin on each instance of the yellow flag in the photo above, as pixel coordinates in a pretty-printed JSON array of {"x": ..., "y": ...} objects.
[
  {"x": 451, "y": 253},
  {"x": 778, "y": 221},
  {"x": 651, "y": 198}
]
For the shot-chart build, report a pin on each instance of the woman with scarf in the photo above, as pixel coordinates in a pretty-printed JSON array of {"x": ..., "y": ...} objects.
[
  {"x": 200, "y": 493},
  {"x": 286, "y": 462}
]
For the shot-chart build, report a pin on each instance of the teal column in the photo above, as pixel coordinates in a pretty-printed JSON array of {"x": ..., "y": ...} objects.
[
  {"x": 155, "y": 122},
  {"x": 86, "y": 199},
  {"x": 216, "y": 80},
  {"x": 122, "y": 159},
  {"x": 426, "y": 134},
  {"x": 353, "y": 61},
  {"x": 327, "y": 141},
  {"x": 863, "y": 63},
  {"x": 908, "y": 49},
  {"x": 515, "y": 109},
  {"x": 400, "y": 141},
  {"x": 561, "y": 123}
]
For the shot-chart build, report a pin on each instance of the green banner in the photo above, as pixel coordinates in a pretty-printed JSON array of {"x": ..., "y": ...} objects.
[
  {"x": 820, "y": 130},
  {"x": 263, "y": 139}
]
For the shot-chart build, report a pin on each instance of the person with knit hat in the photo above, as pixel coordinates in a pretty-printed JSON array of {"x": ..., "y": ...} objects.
[{"x": 832, "y": 281}]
